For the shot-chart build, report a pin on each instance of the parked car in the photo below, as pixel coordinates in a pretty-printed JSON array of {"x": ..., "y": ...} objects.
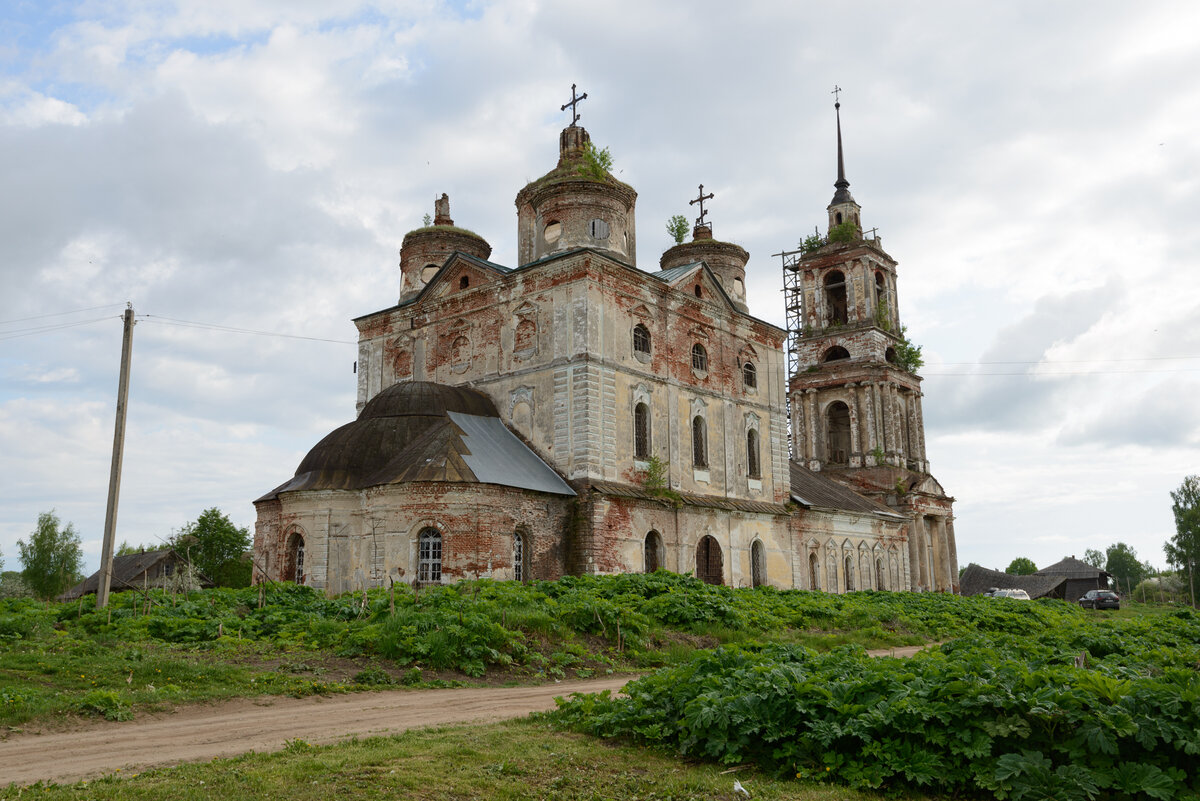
[
  {"x": 1100, "y": 599},
  {"x": 1019, "y": 595}
]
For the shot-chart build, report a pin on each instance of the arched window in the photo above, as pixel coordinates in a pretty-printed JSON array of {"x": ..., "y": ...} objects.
[
  {"x": 835, "y": 298},
  {"x": 699, "y": 442},
  {"x": 464, "y": 282},
  {"x": 651, "y": 551},
  {"x": 880, "y": 578},
  {"x": 293, "y": 569},
  {"x": 880, "y": 292},
  {"x": 552, "y": 232},
  {"x": 641, "y": 431},
  {"x": 699, "y": 291},
  {"x": 838, "y": 218},
  {"x": 518, "y": 557},
  {"x": 429, "y": 555},
  {"x": 525, "y": 336},
  {"x": 837, "y": 433},
  {"x": 835, "y": 353},
  {"x": 428, "y": 272},
  {"x": 890, "y": 355},
  {"x": 758, "y": 564},
  {"x": 814, "y": 572},
  {"x": 641, "y": 339},
  {"x": 749, "y": 375},
  {"x": 699, "y": 358},
  {"x": 752, "y": 462},
  {"x": 708, "y": 561},
  {"x": 849, "y": 574}
]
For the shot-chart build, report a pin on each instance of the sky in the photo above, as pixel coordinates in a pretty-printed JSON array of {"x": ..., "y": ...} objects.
[{"x": 243, "y": 173}]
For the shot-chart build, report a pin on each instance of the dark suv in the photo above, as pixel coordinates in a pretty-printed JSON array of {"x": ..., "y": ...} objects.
[{"x": 1100, "y": 599}]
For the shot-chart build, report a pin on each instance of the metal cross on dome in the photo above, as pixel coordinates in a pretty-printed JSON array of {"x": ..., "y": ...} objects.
[
  {"x": 703, "y": 197},
  {"x": 574, "y": 102},
  {"x": 837, "y": 95}
]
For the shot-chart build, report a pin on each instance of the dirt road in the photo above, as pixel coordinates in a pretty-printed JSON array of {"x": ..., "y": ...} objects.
[{"x": 266, "y": 724}]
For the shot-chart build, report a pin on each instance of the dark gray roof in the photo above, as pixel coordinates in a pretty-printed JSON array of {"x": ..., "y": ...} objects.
[
  {"x": 673, "y": 273},
  {"x": 422, "y": 431},
  {"x": 976, "y": 579},
  {"x": 811, "y": 489},
  {"x": 1072, "y": 568},
  {"x": 127, "y": 572}
]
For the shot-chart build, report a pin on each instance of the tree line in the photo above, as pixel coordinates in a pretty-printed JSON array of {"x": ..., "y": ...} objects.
[{"x": 52, "y": 556}]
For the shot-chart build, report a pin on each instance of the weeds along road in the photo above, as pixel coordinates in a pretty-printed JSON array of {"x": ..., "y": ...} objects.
[{"x": 229, "y": 728}]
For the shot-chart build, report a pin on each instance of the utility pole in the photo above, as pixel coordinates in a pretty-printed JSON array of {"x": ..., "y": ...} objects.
[{"x": 114, "y": 477}]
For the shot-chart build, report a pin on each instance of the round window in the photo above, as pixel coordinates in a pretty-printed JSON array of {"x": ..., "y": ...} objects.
[
  {"x": 552, "y": 232},
  {"x": 598, "y": 229},
  {"x": 428, "y": 272}
]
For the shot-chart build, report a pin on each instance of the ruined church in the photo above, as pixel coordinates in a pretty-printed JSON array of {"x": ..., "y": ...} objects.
[{"x": 576, "y": 413}]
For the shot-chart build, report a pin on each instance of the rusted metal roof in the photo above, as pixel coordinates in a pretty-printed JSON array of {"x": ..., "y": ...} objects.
[
  {"x": 811, "y": 489},
  {"x": 422, "y": 431},
  {"x": 691, "y": 499}
]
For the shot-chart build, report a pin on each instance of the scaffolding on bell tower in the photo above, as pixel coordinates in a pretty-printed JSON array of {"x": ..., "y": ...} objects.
[{"x": 793, "y": 303}]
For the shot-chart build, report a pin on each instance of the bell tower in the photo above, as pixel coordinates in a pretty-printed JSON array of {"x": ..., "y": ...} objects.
[{"x": 854, "y": 395}]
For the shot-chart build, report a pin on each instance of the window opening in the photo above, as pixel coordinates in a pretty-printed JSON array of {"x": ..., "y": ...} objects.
[
  {"x": 641, "y": 339},
  {"x": 518, "y": 557},
  {"x": 428, "y": 272},
  {"x": 814, "y": 573},
  {"x": 879, "y": 577},
  {"x": 699, "y": 292},
  {"x": 752, "y": 465},
  {"x": 598, "y": 229},
  {"x": 552, "y": 232},
  {"x": 523, "y": 338},
  {"x": 758, "y": 564},
  {"x": 708, "y": 561},
  {"x": 838, "y": 217},
  {"x": 464, "y": 282},
  {"x": 750, "y": 375},
  {"x": 429, "y": 558},
  {"x": 835, "y": 298},
  {"x": 641, "y": 431},
  {"x": 460, "y": 353},
  {"x": 849, "y": 574},
  {"x": 651, "y": 551},
  {"x": 890, "y": 355},
  {"x": 837, "y": 433},
  {"x": 699, "y": 358},
  {"x": 835, "y": 353},
  {"x": 699, "y": 442}
]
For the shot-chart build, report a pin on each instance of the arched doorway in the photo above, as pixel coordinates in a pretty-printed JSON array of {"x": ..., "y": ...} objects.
[
  {"x": 651, "y": 551},
  {"x": 293, "y": 566},
  {"x": 758, "y": 564},
  {"x": 708, "y": 561},
  {"x": 837, "y": 433}
]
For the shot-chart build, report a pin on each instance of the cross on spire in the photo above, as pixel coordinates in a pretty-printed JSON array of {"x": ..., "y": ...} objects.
[
  {"x": 703, "y": 197},
  {"x": 574, "y": 102},
  {"x": 837, "y": 97}
]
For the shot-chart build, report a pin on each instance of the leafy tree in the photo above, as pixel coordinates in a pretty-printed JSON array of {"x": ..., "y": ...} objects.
[
  {"x": 1094, "y": 558},
  {"x": 1021, "y": 566},
  {"x": 597, "y": 163},
  {"x": 1123, "y": 565},
  {"x": 908, "y": 355},
  {"x": 125, "y": 549},
  {"x": 52, "y": 559},
  {"x": 1183, "y": 550},
  {"x": 216, "y": 547},
  {"x": 677, "y": 227},
  {"x": 12, "y": 585}
]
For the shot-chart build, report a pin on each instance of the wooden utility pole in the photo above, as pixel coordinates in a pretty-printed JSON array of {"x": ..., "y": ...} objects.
[{"x": 114, "y": 477}]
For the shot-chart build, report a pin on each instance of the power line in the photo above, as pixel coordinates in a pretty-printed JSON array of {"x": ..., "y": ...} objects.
[
  {"x": 58, "y": 314},
  {"x": 1029, "y": 374},
  {"x": 1088, "y": 361},
  {"x": 46, "y": 329},
  {"x": 156, "y": 318}
]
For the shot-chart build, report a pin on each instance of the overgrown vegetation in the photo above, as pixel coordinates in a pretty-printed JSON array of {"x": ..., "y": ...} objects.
[
  {"x": 677, "y": 227},
  {"x": 1003, "y": 713},
  {"x": 844, "y": 232},
  {"x": 908, "y": 355},
  {"x": 597, "y": 163}
]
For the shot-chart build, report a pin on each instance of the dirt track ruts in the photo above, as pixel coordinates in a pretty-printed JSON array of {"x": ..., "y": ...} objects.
[{"x": 229, "y": 728}]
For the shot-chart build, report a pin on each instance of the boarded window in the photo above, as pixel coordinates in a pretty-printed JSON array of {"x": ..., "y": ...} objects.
[
  {"x": 699, "y": 442},
  {"x": 651, "y": 551},
  {"x": 641, "y": 339},
  {"x": 552, "y": 232},
  {"x": 641, "y": 431},
  {"x": 708, "y": 561},
  {"x": 837, "y": 433},
  {"x": 460, "y": 354},
  {"x": 598, "y": 229},
  {"x": 753, "y": 467},
  {"x": 835, "y": 298},
  {"x": 758, "y": 564},
  {"x": 429, "y": 558},
  {"x": 880, "y": 582},
  {"x": 699, "y": 358},
  {"x": 749, "y": 375}
]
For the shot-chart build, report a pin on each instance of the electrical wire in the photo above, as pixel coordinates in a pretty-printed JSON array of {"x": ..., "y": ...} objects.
[
  {"x": 46, "y": 329},
  {"x": 58, "y": 314},
  {"x": 157, "y": 318}
]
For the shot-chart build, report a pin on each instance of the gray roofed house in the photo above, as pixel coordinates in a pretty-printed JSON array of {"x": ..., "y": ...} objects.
[
  {"x": 976, "y": 580},
  {"x": 135, "y": 571}
]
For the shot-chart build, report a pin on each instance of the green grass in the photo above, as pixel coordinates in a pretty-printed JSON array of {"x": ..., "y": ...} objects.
[{"x": 512, "y": 760}]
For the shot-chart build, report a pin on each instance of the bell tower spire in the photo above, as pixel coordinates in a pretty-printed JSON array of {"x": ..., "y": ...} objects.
[{"x": 842, "y": 208}]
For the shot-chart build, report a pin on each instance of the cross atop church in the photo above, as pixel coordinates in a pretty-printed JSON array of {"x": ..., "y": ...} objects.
[
  {"x": 837, "y": 95},
  {"x": 703, "y": 197},
  {"x": 574, "y": 102}
]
